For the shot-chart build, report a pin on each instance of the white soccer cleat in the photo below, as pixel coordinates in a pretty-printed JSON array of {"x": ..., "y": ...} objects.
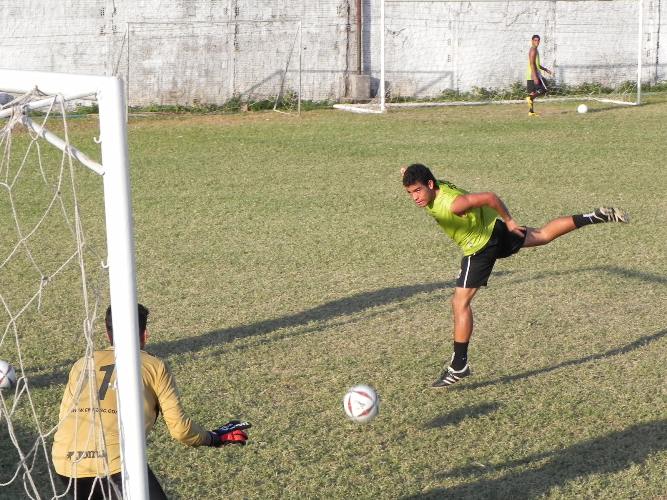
[{"x": 612, "y": 214}]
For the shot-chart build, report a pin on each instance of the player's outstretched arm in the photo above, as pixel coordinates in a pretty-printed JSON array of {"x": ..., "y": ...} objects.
[
  {"x": 465, "y": 202},
  {"x": 547, "y": 70},
  {"x": 180, "y": 426},
  {"x": 233, "y": 432}
]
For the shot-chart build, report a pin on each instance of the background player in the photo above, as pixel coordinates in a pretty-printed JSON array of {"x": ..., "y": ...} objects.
[
  {"x": 86, "y": 448},
  {"x": 534, "y": 83},
  {"x": 481, "y": 225}
]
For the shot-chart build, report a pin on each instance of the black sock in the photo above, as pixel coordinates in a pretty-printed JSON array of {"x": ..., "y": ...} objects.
[
  {"x": 581, "y": 220},
  {"x": 460, "y": 355}
]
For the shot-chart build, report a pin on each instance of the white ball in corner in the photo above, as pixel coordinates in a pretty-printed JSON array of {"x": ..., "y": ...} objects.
[
  {"x": 582, "y": 108},
  {"x": 7, "y": 375}
]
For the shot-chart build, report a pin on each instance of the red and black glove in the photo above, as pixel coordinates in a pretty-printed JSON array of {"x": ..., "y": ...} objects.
[{"x": 233, "y": 432}]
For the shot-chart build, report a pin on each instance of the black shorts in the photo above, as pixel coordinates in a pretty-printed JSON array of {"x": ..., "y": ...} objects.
[
  {"x": 537, "y": 88},
  {"x": 476, "y": 268},
  {"x": 111, "y": 488}
]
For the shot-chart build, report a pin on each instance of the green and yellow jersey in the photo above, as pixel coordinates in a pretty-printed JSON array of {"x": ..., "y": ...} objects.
[
  {"x": 472, "y": 230},
  {"x": 529, "y": 71},
  {"x": 87, "y": 442}
]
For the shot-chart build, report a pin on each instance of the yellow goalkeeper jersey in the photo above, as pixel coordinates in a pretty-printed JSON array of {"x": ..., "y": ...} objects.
[{"x": 87, "y": 441}]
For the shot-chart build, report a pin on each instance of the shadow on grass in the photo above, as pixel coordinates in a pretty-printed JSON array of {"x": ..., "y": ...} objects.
[
  {"x": 618, "y": 271},
  {"x": 355, "y": 304},
  {"x": 10, "y": 463},
  {"x": 325, "y": 312},
  {"x": 609, "y": 454},
  {"x": 359, "y": 303},
  {"x": 629, "y": 273},
  {"x": 56, "y": 376},
  {"x": 457, "y": 416},
  {"x": 640, "y": 342}
]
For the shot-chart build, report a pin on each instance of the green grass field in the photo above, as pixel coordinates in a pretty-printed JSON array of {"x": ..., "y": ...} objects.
[{"x": 283, "y": 263}]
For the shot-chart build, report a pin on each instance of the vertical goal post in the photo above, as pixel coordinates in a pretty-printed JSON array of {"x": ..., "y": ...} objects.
[
  {"x": 426, "y": 55},
  {"x": 109, "y": 94}
]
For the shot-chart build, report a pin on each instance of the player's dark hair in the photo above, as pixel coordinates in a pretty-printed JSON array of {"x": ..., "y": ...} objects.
[
  {"x": 535, "y": 36},
  {"x": 142, "y": 312},
  {"x": 418, "y": 173}
]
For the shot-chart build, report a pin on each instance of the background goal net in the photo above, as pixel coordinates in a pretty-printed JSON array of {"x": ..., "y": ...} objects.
[
  {"x": 240, "y": 65},
  {"x": 449, "y": 52}
]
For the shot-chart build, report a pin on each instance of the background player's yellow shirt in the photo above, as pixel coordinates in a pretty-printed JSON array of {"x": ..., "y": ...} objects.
[
  {"x": 472, "y": 230},
  {"x": 529, "y": 69},
  {"x": 87, "y": 438}
]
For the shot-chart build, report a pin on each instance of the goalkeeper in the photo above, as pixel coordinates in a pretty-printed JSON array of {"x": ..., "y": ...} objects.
[{"x": 86, "y": 447}]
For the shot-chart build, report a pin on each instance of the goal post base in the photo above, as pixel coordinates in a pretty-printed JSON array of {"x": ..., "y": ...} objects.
[
  {"x": 358, "y": 108},
  {"x": 374, "y": 108}
]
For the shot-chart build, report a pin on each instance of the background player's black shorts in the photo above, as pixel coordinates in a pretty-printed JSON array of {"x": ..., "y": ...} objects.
[
  {"x": 538, "y": 88},
  {"x": 476, "y": 268}
]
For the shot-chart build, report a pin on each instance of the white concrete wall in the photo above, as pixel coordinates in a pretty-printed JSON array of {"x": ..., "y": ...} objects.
[
  {"x": 212, "y": 51},
  {"x": 431, "y": 47},
  {"x": 187, "y": 51}
]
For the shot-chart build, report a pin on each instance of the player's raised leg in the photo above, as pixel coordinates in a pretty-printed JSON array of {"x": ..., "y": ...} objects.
[{"x": 563, "y": 225}]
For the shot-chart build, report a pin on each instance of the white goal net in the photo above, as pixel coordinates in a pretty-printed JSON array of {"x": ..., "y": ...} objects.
[
  {"x": 63, "y": 256},
  {"x": 430, "y": 52},
  {"x": 237, "y": 65}
]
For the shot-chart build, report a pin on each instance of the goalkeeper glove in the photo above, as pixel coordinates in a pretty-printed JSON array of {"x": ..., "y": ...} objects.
[{"x": 231, "y": 433}]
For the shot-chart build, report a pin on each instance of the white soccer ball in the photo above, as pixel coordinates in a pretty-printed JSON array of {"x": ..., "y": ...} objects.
[
  {"x": 361, "y": 403},
  {"x": 582, "y": 108},
  {"x": 7, "y": 375}
]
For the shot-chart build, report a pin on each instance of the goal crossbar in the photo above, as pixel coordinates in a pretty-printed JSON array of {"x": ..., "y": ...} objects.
[{"x": 43, "y": 103}]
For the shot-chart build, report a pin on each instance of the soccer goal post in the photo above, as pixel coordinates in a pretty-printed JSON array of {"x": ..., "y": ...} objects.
[
  {"x": 36, "y": 96},
  {"x": 450, "y": 52}
]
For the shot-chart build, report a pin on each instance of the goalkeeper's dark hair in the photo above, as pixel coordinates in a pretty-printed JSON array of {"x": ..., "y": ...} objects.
[
  {"x": 142, "y": 312},
  {"x": 418, "y": 173}
]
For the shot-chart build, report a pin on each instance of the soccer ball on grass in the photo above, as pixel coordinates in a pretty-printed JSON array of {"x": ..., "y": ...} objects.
[
  {"x": 7, "y": 375},
  {"x": 361, "y": 403}
]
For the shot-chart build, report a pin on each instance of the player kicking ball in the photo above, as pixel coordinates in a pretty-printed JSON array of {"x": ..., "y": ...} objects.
[{"x": 481, "y": 225}]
